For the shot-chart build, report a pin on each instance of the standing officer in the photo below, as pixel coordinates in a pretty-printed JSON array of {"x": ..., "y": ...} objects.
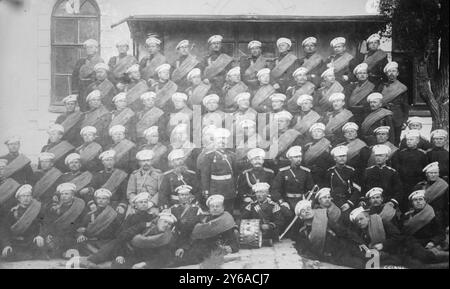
[
  {"x": 218, "y": 173},
  {"x": 285, "y": 65}
]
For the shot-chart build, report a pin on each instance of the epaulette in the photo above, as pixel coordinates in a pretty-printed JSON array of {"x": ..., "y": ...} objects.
[
  {"x": 371, "y": 167},
  {"x": 392, "y": 169},
  {"x": 421, "y": 150},
  {"x": 332, "y": 168},
  {"x": 168, "y": 172},
  {"x": 350, "y": 167},
  {"x": 190, "y": 171},
  {"x": 305, "y": 168},
  {"x": 246, "y": 171},
  {"x": 268, "y": 170},
  {"x": 276, "y": 208},
  {"x": 284, "y": 169},
  {"x": 429, "y": 150},
  {"x": 402, "y": 150}
]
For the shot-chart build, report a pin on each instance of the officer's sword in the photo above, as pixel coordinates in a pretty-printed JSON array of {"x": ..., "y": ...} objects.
[{"x": 308, "y": 197}]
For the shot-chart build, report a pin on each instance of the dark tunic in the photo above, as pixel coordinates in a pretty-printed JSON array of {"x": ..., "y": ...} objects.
[
  {"x": 22, "y": 176},
  {"x": 344, "y": 187},
  {"x": 250, "y": 177},
  {"x": 291, "y": 184},
  {"x": 268, "y": 213},
  {"x": 439, "y": 155},
  {"x": 72, "y": 135},
  {"x": 170, "y": 181},
  {"x": 386, "y": 178}
]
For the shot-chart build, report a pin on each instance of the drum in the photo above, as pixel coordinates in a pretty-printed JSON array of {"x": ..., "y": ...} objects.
[{"x": 250, "y": 234}]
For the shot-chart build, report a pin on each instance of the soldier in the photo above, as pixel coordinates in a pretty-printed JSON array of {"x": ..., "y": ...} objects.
[
  {"x": 154, "y": 144},
  {"x": 198, "y": 89},
  {"x": 164, "y": 88},
  {"x": 112, "y": 179},
  {"x": 323, "y": 200},
  {"x": 383, "y": 176},
  {"x": 358, "y": 91},
  {"x": 62, "y": 220},
  {"x": 250, "y": 65},
  {"x": 147, "y": 245},
  {"x": 180, "y": 114},
  {"x": 261, "y": 98},
  {"x": 21, "y": 228},
  {"x": 124, "y": 148},
  {"x": 358, "y": 152},
  {"x": 302, "y": 86},
  {"x": 216, "y": 64},
  {"x": 103, "y": 84},
  {"x": 124, "y": 116},
  {"x": 244, "y": 111},
  {"x": 207, "y": 146},
  {"x": 232, "y": 87},
  {"x": 284, "y": 138},
  {"x": 436, "y": 191},
  {"x": 89, "y": 150},
  {"x": 180, "y": 139},
  {"x": 57, "y": 146},
  {"x": 340, "y": 60},
  {"x": 416, "y": 123},
  {"x": 409, "y": 163},
  {"x": 98, "y": 227},
  {"x": 267, "y": 211},
  {"x": 135, "y": 88},
  {"x": 45, "y": 178},
  {"x": 285, "y": 64},
  {"x": 377, "y": 117},
  {"x": 439, "y": 153},
  {"x": 218, "y": 173},
  {"x": 312, "y": 61},
  {"x": 246, "y": 139},
  {"x": 424, "y": 230},
  {"x": 176, "y": 177},
  {"x": 118, "y": 65},
  {"x": 319, "y": 237},
  {"x": 379, "y": 235},
  {"x": 81, "y": 180},
  {"x": 317, "y": 153},
  {"x": 277, "y": 103},
  {"x": 216, "y": 232},
  {"x": 376, "y": 205},
  {"x": 336, "y": 119},
  {"x": 376, "y": 59},
  {"x": 213, "y": 116},
  {"x": 155, "y": 58},
  {"x": 18, "y": 165},
  {"x": 305, "y": 117},
  {"x": 188, "y": 214},
  {"x": 328, "y": 86},
  {"x": 98, "y": 116},
  {"x": 395, "y": 98},
  {"x": 83, "y": 73},
  {"x": 292, "y": 183},
  {"x": 183, "y": 65},
  {"x": 382, "y": 138},
  {"x": 145, "y": 179},
  {"x": 256, "y": 174},
  {"x": 71, "y": 120},
  {"x": 342, "y": 181},
  {"x": 150, "y": 116}
]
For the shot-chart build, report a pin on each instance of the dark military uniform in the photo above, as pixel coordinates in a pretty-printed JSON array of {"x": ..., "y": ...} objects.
[
  {"x": 423, "y": 144},
  {"x": 314, "y": 73},
  {"x": 268, "y": 213},
  {"x": 23, "y": 246},
  {"x": 218, "y": 175},
  {"x": 346, "y": 71},
  {"x": 286, "y": 79},
  {"x": 73, "y": 134},
  {"x": 439, "y": 155},
  {"x": 119, "y": 197},
  {"x": 400, "y": 108},
  {"x": 22, "y": 176},
  {"x": 127, "y": 162},
  {"x": 47, "y": 195},
  {"x": 217, "y": 81},
  {"x": 60, "y": 163},
  {"x": 130, "y": 125},
  {"x": 320, "y": 165},
  {"x": 251, "y": 80},
  {"x": 409, "y": 163},
  {"x": 344, "y": 185},
  {"x": 93, "y": 165},
  {"x": 337, "y": 136},
  {"x": 376, "y": 73},
  {"x": 386, "y": 178},
  {"x": 101, "y": 124},
  {"x": 168, "y": 106},
  {"x": 360, "y": 109},
  {"x": 183, "y": 83},
  {"x": 359, "y": 161},
  {"x": 250, "y": 177},
  {"x": 369, "y": 136},
  {"x": 113, "y": 61},
  {"x": 291, "y": 184},
  {"x": 440, "y": 204},
  {"x": 146, "y": 60},
  {"x": 82, "y": 78},
  {"x": 170, "y": 181},
  {"x": 106, "y": 98}
]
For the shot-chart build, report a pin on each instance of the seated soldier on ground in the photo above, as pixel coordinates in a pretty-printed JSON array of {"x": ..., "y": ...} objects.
[{"x": 376, "y": 205}]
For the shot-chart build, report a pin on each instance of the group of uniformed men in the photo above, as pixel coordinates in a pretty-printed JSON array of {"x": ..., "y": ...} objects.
[{"x": 120, "y": 178}]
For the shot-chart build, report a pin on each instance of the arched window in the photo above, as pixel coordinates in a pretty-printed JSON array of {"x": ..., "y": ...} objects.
[{"x": 73, "y": 22}]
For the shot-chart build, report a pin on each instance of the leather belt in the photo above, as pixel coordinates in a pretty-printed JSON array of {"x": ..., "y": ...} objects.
[{"x": 221, "y": 178}]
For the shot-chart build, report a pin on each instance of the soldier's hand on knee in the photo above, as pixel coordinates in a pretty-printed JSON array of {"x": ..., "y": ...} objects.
[
  {"x": 7, "y": 251},
  {"x": 39, "y": 241},
  {"x": 227, "y": 249},
  {"x": 429, "y": 245},
  {"x": 345, "y": 207},
  {"x": 179, "y": 253},
  {"x": 120, "y": 260},
  {"x": 285, "y": 204},
  {"x": 93, "y": 207}
]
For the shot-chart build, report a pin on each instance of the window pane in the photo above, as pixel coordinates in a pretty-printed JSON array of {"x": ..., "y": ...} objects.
[
  {"x": 60, "y": 87},
  {"x": 243, "y": 49},
  {"x": 64, "y": 59},
  {"x": 88, "y": 29},
  {"x": 87, "y": 8},
  {"x": 65, "y": 31},
  {"x": 228, "y": 48},
  {"x": 61, "y": 10}
]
